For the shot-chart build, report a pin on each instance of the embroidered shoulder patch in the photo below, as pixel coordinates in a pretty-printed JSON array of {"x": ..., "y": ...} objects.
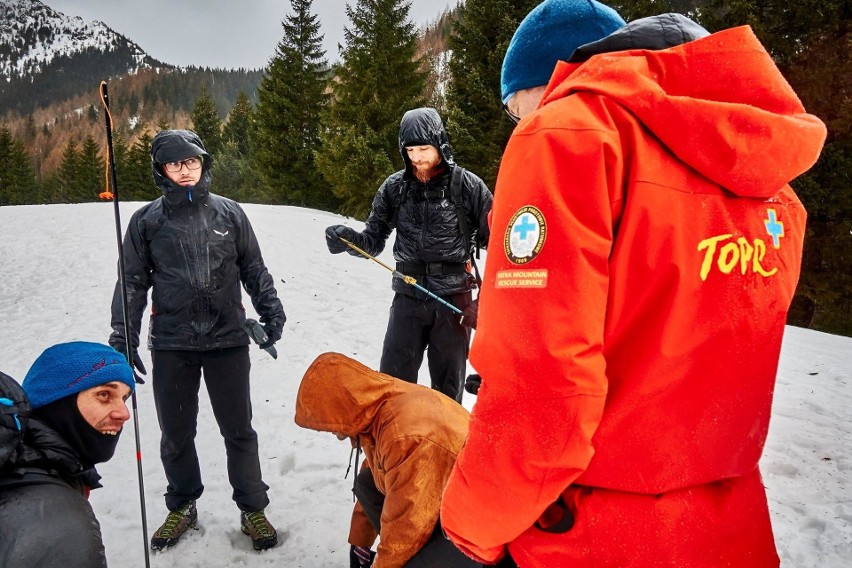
[{"x": 525, "y": 235}]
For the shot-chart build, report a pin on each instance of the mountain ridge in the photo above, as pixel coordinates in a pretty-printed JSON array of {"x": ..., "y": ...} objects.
[
  {"x": 47, "y": 57},
  {"x": 33, "y": 35}
]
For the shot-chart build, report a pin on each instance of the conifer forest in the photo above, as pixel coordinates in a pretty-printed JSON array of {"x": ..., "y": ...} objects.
[{"x": 311, "y": 132}]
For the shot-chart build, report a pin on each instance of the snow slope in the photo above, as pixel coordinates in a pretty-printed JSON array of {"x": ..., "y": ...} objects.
[{"x": 58, "y": 273}]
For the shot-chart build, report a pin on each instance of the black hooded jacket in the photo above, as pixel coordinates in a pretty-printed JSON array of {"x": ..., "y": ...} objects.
[
  {"x": 45, "y": 519},
  {"x": 427, "y": 226},
  {"x": 196, "y": 249}
]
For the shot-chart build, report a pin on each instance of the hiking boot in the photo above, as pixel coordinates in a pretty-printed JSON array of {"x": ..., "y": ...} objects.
[
  {"x": 177, "y": 523},
  {"x": 260, "y": 530}
]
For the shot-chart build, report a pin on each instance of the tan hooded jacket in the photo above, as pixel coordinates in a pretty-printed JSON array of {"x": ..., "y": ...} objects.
[{"x": 410, "y": 435}]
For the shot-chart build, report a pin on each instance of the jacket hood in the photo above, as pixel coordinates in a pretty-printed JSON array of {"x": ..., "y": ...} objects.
[
  {"x": 172, "y": 146},
  {"x": 423, "y": 126},
  {"x": 655, "y": 32},
  {"x": 718, "y": 103},
  {"x": 340, "y": 395}
]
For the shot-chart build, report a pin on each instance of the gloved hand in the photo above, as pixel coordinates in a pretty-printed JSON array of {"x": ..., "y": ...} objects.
[
  {"x": 472, "y": 383},
  {"x": 360, "y": 557},
  {"x": 469, "y": 314},
  {"x": 273, "y": 334},
  {"x": 332, "y": 238},
  {"x": 137, "y": 361}
]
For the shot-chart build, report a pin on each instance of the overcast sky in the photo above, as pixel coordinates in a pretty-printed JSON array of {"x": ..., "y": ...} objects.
[{"x": 220, "y": 33}]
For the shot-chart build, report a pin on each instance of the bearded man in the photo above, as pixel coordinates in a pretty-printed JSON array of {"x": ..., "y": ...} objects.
[{"x": 440, "y": 213}]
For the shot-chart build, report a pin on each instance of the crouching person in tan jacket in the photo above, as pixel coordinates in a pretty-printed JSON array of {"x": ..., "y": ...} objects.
[{"x": 410, "y": 436}]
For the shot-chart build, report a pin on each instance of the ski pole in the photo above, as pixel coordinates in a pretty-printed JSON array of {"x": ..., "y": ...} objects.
[
  {"x": 110, "y": 183},
  {"x": 400, "y": 275}
]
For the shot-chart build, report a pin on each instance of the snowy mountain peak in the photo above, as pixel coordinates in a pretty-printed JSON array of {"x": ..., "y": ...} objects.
[{"x": 33, "y": 35}]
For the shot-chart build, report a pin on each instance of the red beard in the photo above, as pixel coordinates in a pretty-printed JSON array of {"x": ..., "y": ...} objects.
[{"x": 427, "y": 172}]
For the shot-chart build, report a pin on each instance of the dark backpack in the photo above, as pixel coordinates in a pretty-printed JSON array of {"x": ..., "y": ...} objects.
[{"x": 14, "y": 414}]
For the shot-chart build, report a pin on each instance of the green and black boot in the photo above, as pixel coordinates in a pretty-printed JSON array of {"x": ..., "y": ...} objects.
[
  {"x": 260, "y": 530},
  {"x": 177, "y": 523}
]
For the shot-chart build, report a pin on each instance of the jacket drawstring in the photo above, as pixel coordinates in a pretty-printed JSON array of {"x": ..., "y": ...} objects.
[{"x": 357, "y": 451}]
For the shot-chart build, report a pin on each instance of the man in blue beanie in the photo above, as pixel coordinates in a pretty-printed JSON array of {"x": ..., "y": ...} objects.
[
  {"x": 66, "y": 419},
  {"x": 550, "y": 33},
  {"x": 647, "y": 232}
]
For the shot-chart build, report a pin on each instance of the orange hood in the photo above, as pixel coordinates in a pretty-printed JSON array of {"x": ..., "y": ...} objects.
[
  {"x": 746, "y": 127},
  {"x": 340, "y": 395}
]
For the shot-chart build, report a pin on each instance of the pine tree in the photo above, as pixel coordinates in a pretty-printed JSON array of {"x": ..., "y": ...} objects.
[
  {"x": 228, "y": 168},
  {"x": 239, "y": 125},
  {"x": 6, "y": 178},
  {"x": 25, "y": 188},
  {"x": 17, "y": 180},
  {"x": 140, "y": 185},
  {"x": 378, "y": 81},
  {"x": 291, "y": 101},
  {"x": 30, "y": 130},
  {"x": 68, "y": 177},
  {"x": 120, "y": 157},
  {"x": 92, "y": 177},
  {"x": 206, "y": 122},
  {"x": 477, "y": 126}
]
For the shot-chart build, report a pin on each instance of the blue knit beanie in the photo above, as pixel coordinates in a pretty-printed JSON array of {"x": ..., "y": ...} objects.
[
  {"x": 68, "y": 368},
  {"x": 550, "y": 33}
]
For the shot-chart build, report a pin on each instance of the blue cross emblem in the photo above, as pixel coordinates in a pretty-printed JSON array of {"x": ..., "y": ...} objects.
[
  {"x": 524, "y": 227},
  {"x": 774, "y": 227}
]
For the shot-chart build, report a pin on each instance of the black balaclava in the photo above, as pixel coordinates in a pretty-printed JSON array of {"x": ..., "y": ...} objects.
[{"x": 64, "y": 417}]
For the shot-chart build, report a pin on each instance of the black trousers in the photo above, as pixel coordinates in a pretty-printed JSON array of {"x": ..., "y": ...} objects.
[
  {"x": 176, "y": 381},
  {"x": 416, "y": 324},
  {"x": 438, "y": 552}
]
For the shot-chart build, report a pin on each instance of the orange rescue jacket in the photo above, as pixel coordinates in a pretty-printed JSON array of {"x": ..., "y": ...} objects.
[{"x": 645, "y": 248}]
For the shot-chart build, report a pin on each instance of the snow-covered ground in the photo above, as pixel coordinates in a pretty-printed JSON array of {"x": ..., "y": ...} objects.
[{"x": 58, "y": 272}]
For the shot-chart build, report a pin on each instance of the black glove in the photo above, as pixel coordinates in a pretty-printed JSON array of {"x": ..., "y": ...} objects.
[
  {"x": 360, "y": 557},
  {"x": 469, "y": 314},
  {"x": 137, "y": 361},
  {"x": 471, "y": 384},
  {"x": 273, "y": 334},
  {"x": 332, "y": 238}
]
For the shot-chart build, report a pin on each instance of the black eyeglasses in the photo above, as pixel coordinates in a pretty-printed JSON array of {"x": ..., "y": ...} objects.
[
  {"x": 512, "y": 116},
  {"x": 191, "y": 164}
]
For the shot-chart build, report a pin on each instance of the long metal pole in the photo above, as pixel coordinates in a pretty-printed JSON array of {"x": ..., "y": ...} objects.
[
  {"x": 398, "y": 274},
  {"x": 126, "y": 310}
]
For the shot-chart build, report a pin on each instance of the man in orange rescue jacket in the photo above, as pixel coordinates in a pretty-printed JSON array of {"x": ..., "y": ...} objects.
[
  {"x": 645, "y": 247},
  {"x": 410, "y": 435}
]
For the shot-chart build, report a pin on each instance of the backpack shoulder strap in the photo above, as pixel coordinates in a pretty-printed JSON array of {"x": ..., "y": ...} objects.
[
  {"x": 461, "y": 214},
  {"x": 14, "y": 413},
  {"x": 400, "y": 198},
  {"x": 458, "y": 201}
]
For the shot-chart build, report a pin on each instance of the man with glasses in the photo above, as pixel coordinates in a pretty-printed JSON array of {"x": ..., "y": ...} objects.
[
  {"x": 196, "y": 250},
  {"x": 631, "y": 325}
]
